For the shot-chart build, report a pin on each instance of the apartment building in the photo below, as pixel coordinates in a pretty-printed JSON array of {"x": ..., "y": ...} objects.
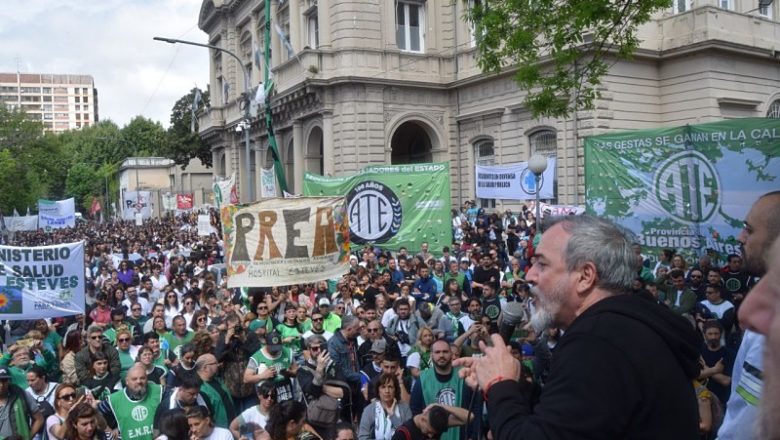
[
  {"x": 396, "y": 81},
  {"x": 60, "y": 102}
]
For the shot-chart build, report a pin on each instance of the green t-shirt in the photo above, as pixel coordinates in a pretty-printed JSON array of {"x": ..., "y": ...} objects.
[
  {"x": 174, "y": 342},
  {"x": 332, "y": 323},
  {"x": 286, "y": 331}
]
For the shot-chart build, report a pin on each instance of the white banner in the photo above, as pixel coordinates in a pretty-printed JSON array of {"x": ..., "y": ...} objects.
[
  {"x": 514, "y": 181},
  {"x": 41, "y": 282},
  {"x": 204, "y": 224},
  {"x": 169, "y": 201},
  {"x": 22, "y": 223},
  {"x": 547, "y": 210},
  {"x": 267, "y": 183},
  {"x": 225, "y": 191},
  {"x": 56, "y": 214},
  {"x": 136, "y": 202}
]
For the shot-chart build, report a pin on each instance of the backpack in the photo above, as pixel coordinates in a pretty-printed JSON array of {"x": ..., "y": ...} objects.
[{"x": 234, "y": 379}]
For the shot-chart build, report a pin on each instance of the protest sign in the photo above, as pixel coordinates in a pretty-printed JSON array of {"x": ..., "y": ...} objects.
[
  {"x": 41, "y": 282},
  {"x": 56, "y": 214},
  {"x": 136, "y": 202},
  {"x": 169, "y": 201},
  {"x": 278, "y": 242},
  {"x": 685, "y": 188},
  {"x": 21, "y": 223},
  {"x": 204, "y": 224},
  {"x": 514, "y": 181},
  {"x": 393, "y": 205},
  {"x": 184, "y": 201},
  {"x": 225, "y": 191},
  {"x": 547, "y": 210},
  {"x": 267, "y": 183}
]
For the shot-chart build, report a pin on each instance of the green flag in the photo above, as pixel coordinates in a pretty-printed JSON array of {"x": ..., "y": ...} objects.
[{"x": 393, "y": 205}]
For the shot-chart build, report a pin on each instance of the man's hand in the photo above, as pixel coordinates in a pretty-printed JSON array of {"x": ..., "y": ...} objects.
[
  {"x": 497, "y": 361},
  {"x": 322, "y": 361}
]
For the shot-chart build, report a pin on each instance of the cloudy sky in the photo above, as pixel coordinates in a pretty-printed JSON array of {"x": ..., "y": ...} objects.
[{"x": 112, "y": 41}]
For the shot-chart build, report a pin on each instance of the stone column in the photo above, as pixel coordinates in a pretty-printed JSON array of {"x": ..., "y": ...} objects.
[
  {"x": 295, "y": 25},
  {"x": 327, "y": 143},
  {"x": 298, "y": 167},
  {"x": 323, "y": 18}
]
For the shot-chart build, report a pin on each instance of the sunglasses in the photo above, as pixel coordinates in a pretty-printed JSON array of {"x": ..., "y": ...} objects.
[
  {"x": 269, "y": 396},
  {"x": 202, "y": 318},
  {"x": 136, "y": 309},
  {"x": 96, "y": 337},
  {"x": 124, "y": 340},
  {"x": 70, "y": 396},
  {"x": 317, "y": 319},
  {"x": 373, "y": 330},
  {"x": 315, "y": 348}
]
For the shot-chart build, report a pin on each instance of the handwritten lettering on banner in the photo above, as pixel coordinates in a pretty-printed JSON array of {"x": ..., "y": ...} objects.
[{"x": 278, "y": 242}]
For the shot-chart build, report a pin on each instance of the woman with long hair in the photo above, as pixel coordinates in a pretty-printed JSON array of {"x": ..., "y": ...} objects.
[
  {"x": 83, "y": 424},
  {"x": 188, "y": 308},
  {"x": 287, "y": 421},
  {"x": 70, "y": 347},
  {"x": 202, "y": 426},
  {"x": 102, "y": 382},
  {"x": 385, "y": 414},
  {"x": 172, "y": 306},
  {"x": 200, "y": 321},
  {"x": 65, "y": 398},
  {"x": 173, "y": 425},
  {"x": 116, "y": 297},
  {"x": 420, "y": 355}
]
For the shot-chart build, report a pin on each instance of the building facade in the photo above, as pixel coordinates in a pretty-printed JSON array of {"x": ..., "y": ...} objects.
[
  {"x": 380, "y": 81},
  {"x": 162, "y": 176},
  {"x": 60, "y": 102}
]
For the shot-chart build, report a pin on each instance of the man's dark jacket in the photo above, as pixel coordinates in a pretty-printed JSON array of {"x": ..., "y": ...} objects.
[{"x": 622, "y": 370}]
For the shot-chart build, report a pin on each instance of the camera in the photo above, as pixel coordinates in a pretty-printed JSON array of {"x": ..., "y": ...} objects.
[{"x": 403, "y": 337}]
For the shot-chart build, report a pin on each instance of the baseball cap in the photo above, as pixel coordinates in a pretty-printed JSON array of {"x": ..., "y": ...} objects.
[
  {"x": 256, "y": 324},
  {"x": 379, "y": 346},
  {"x": 464, "y": 260},
  {"x": 4, "y": 374},
  {"x": 324, "y": 302},
  {"x": 274, "y": 340}
]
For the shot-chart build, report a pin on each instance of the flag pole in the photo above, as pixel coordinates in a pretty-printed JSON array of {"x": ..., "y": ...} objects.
[{"x": 278, "y": 168}]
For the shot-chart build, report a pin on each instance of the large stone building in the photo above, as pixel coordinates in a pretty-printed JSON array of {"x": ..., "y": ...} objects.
[
  {"x": 60, "y": 102},
  {"x": 381, "y": 81}
]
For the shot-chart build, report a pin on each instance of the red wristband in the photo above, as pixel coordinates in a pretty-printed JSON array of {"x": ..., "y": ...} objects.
[{"x": 492, "y": 382}]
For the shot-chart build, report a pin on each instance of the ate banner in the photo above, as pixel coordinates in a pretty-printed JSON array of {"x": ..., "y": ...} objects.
[
  {"x": 184, "y": 201},
  {"x": 137, "y": 202},
  {"x": 393, "y": 205},
  {"x": 41, "y": 282},
  {"x": 225, "y": 191},
  {"x": 685, "y": 188},
  {"x": 278, "y": 242}
]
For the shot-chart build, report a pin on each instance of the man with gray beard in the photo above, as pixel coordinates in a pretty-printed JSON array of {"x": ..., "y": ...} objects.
[
  {"x": 623, "y": 367},
  {"x": 761, "y": 314},
  {"x": 751, "y": 380}
]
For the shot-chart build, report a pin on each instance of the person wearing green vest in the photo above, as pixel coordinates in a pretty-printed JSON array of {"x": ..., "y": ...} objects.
[
  {"x": 273, "y": 362},
  {"x": 179, "y": 336},
  {"x": 441, "y": 385},
  {"x": 214, "y": 391},
  {"x": 131, "y": 410},
  {"x": 20, "y": 415},
  {"x": 332, "y": 321}
]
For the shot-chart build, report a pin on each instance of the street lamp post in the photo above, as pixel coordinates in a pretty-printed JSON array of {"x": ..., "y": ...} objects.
[
  {"x": 538, "y": 164},
  {"x": 247, "y": 104}
]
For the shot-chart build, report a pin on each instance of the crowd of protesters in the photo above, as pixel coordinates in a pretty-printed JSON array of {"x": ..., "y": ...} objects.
[{"x": 166, "y": 350}]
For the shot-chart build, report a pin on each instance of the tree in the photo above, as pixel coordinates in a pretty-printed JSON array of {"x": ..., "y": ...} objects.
[
  {"x": 32, "y": 165},
  {"x": 83, "y": 183},
  {"x": 145, "y": 136},
  {"x": 561, "y": 48},
  {"x": 184, "y": 144}
]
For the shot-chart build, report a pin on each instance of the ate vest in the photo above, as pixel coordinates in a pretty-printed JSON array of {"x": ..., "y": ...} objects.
[
  {"x": 135, "y": 419},
  {"x": 444, "y": 393}
]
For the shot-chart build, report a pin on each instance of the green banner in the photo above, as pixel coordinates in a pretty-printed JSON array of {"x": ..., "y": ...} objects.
[
  {"x": 685, "y": 188},
  {"x": 393, "y": 206}
]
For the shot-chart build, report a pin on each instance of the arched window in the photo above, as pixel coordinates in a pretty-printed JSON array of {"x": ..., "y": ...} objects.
[
  {"x": 774, "y": 110},
  {"x": 484, "y": 154},
  {"x": 545, "y": 142}
]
